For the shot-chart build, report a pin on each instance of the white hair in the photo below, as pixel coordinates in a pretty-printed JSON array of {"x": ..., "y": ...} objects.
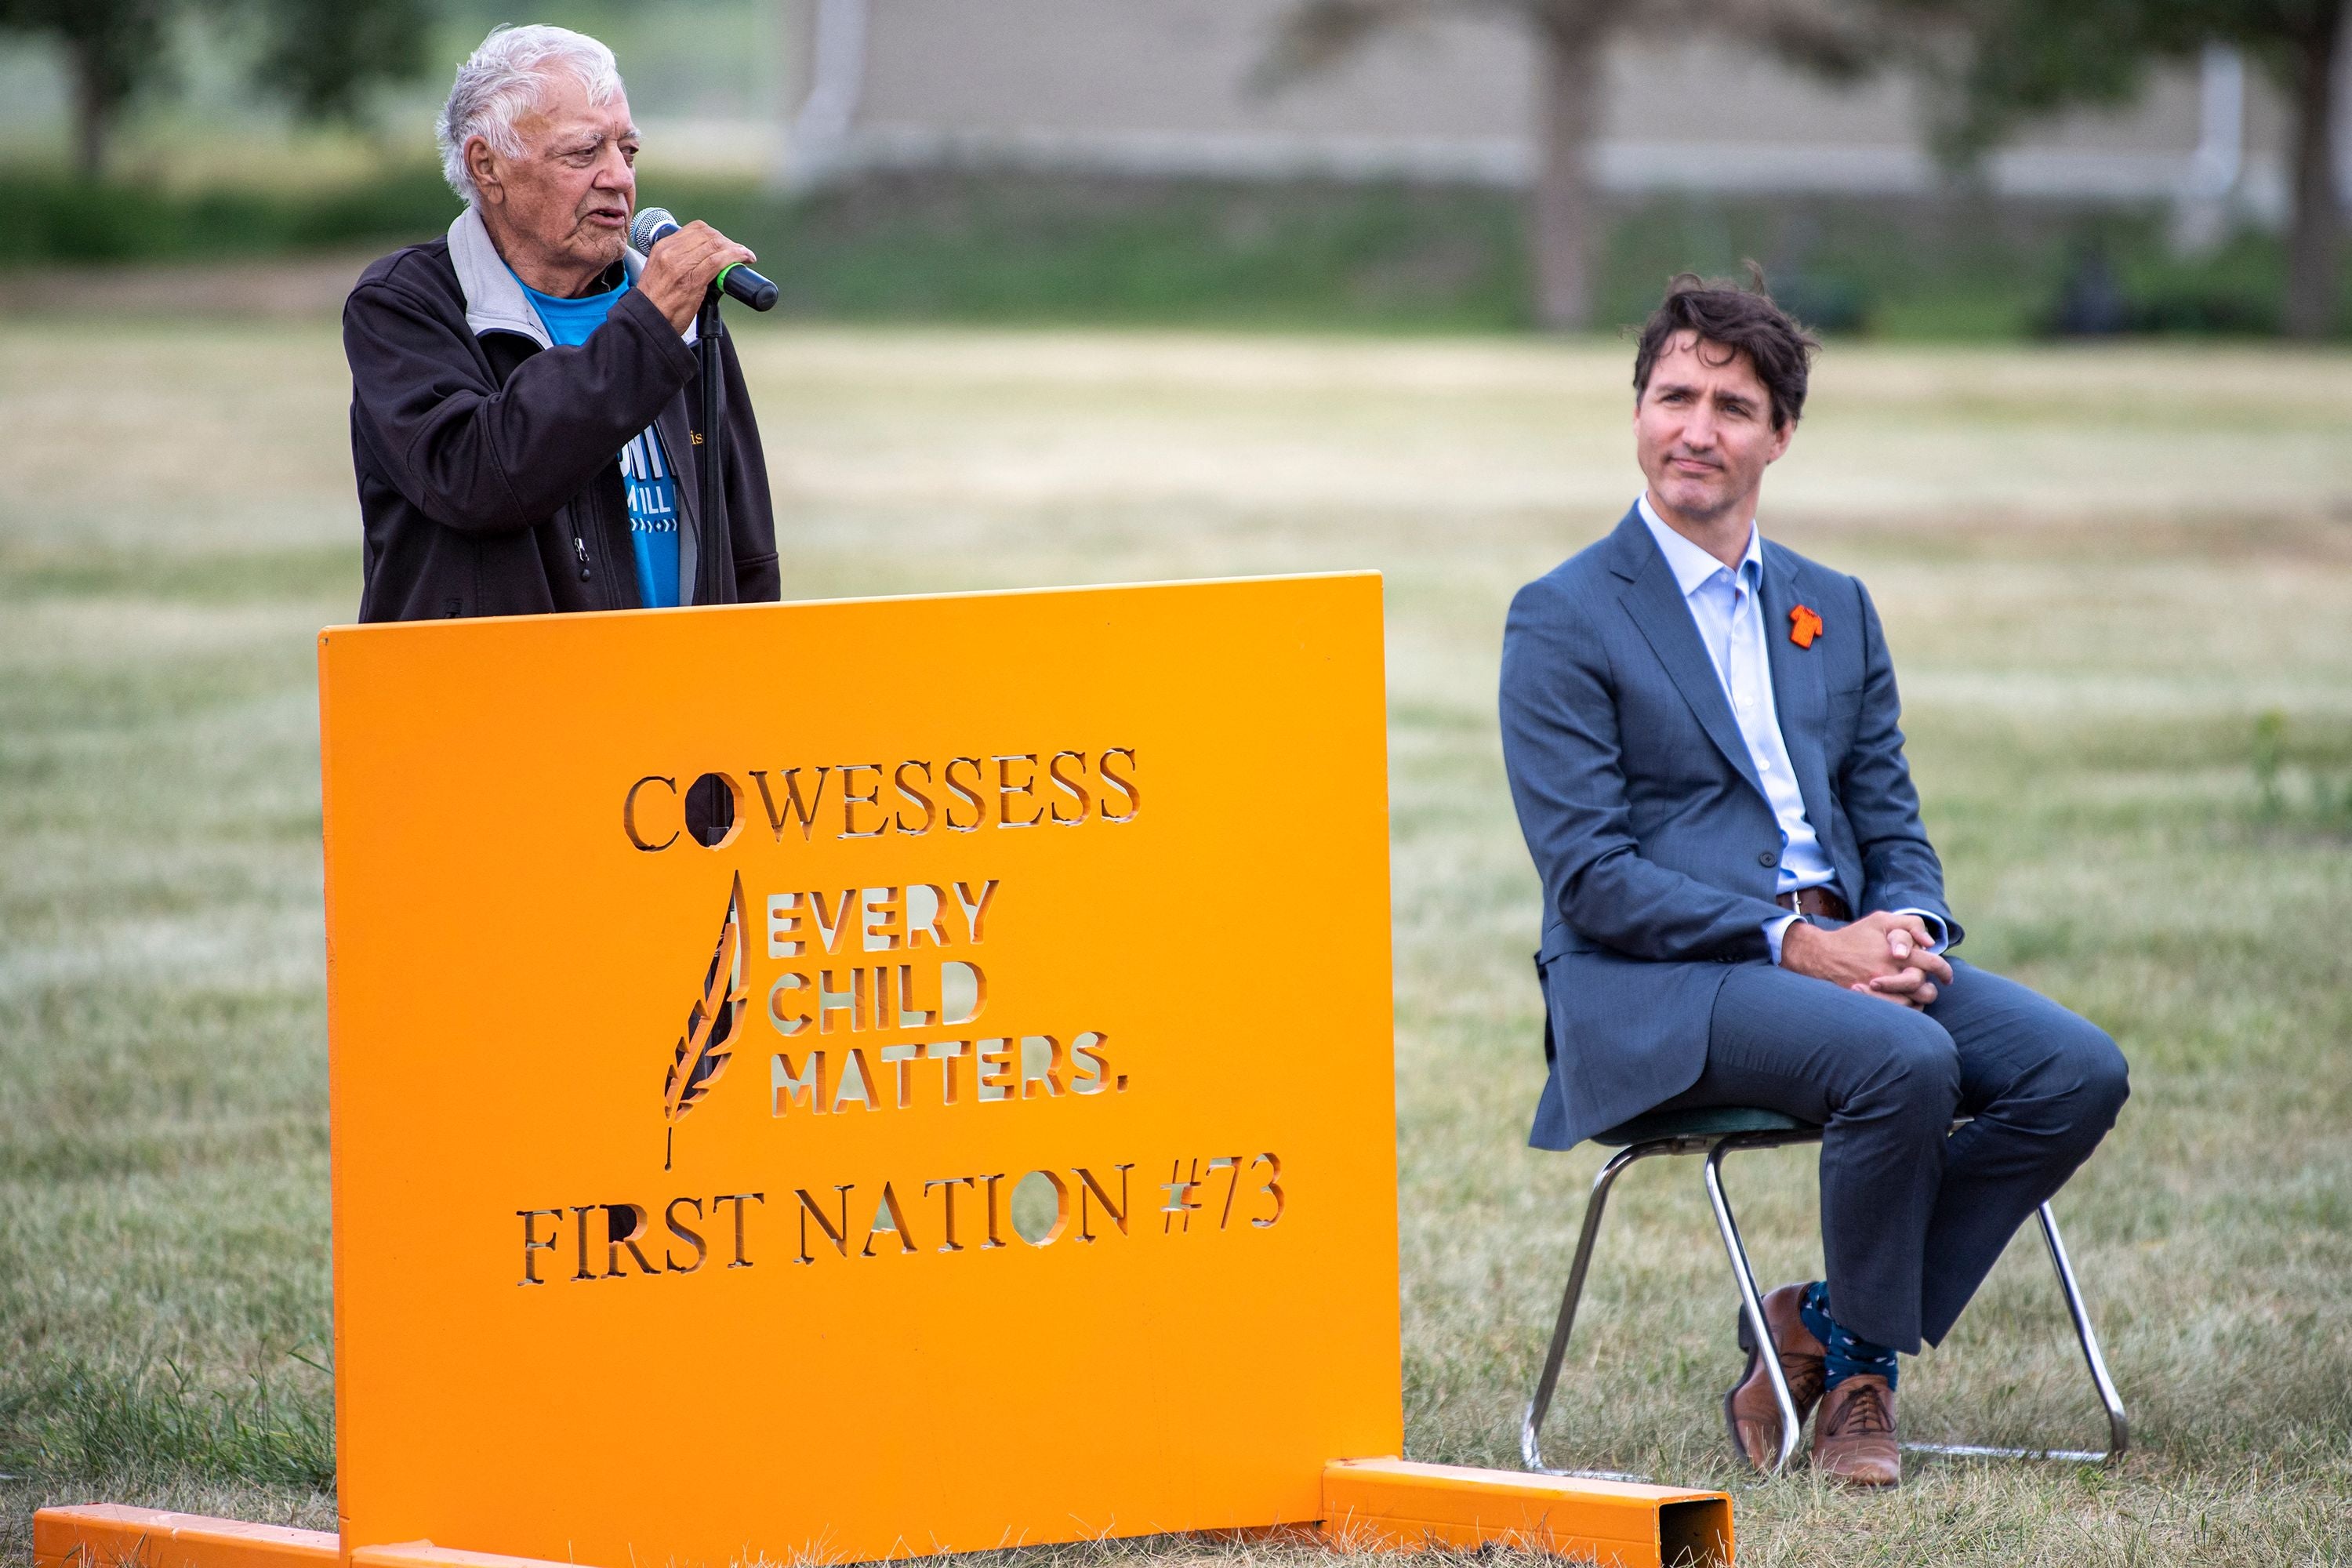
[{"x": 503, "y": 81}]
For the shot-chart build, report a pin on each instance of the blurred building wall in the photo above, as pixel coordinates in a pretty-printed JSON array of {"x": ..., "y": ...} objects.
[
  {"x": 1169, "y": 87},
  {"x": 803, "y": 91}
]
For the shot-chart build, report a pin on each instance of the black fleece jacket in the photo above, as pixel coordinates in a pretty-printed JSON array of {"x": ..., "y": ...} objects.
[{"x": 488, "y": 468}]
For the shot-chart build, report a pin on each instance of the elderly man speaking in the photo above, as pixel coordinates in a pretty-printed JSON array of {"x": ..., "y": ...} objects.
[{"x": 519, "y": 420}]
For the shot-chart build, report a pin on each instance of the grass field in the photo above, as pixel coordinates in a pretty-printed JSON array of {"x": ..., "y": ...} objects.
[{"x": 2099, "y": 571}]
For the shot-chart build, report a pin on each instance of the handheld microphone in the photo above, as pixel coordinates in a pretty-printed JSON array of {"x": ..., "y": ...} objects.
[{"x": 655, "y": 224}]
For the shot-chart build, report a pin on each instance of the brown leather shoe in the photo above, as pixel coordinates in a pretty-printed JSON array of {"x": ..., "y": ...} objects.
[
  {"x": 1854, "y": 1440},
  {"x": 1750, "y": 1410}
]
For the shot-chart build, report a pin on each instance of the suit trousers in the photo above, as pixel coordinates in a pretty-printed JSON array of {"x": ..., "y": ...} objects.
[{"x": 1913, "y": 1216}]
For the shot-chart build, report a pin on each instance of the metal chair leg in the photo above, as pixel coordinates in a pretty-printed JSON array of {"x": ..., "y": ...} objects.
[
  {"x": 1751, "y": 1305},
  {"x": 2118, "y": 1427},
  {"x": 1751, "y": 1308},
  {"x": 1531, "y": 1425}
]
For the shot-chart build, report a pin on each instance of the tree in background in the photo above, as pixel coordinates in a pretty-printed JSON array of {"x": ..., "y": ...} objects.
[
  {"x": 112, "y": 47},
  {"x": 320, "y": 56},
  {"x": 1572, "y": 38},
  {"x": 2023, "y": 58}
]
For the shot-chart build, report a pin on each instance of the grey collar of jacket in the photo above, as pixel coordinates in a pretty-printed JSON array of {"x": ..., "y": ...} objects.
[{"x": 495, "y": 301}]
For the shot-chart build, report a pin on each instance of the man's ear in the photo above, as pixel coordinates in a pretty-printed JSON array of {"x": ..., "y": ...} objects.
[
  {"x": 482, "y": 165},
  {"x": 1781, "y": 436}
]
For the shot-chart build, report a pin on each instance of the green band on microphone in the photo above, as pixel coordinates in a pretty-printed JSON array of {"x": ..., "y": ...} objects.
[{"x": 721, "y": 282}]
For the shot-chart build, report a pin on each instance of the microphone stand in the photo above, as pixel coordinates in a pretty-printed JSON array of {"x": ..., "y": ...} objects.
[{"x": 710, "y": 333}]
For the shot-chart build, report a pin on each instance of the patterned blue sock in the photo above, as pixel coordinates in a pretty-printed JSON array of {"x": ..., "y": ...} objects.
[{"x": 1848, "y": 1352}]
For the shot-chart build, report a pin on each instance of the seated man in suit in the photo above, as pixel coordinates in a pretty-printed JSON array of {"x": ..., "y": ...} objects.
[{"x": 1740, "y": 906}]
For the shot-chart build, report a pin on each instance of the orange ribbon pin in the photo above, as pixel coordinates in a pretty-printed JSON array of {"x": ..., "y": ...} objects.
[{"x": 1804, "y": 625}]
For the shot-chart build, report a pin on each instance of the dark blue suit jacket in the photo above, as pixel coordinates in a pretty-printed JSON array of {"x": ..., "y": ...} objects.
[{"x": 1657, "y": 844}]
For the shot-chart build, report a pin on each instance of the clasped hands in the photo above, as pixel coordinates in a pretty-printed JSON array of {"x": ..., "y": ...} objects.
[{"x": 1881, "y": 954}]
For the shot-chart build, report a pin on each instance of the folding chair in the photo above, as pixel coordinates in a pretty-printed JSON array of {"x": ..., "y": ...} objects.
[{"x": 1716, "y": 1133}]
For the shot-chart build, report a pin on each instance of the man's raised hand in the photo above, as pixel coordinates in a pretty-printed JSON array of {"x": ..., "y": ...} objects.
[
  {"x": 1881, "y": 954},
  {"x": 680, "y": 270}
]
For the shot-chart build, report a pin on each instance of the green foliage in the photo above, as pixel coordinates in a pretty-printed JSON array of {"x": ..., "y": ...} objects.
[
  {"x": 980, "y": 248},
  {"x": 1008, "y": 248},
  {"x": 322, "y": 55},
  {"x": 2021, "y": 58},
  {"x": 2016, "y": 60},
  {"x": 1958, "y": 269},
  {"x": 61, "y": 219},
  {"x": 2269, "y": 755},
  {"x": 115, "y": 47},
  {"x": 117, "y": 42},
  {"x": 1032, "y": 248},
  {"x": 1180, "y": 251},
  {"x": 2323, "y": 800}
]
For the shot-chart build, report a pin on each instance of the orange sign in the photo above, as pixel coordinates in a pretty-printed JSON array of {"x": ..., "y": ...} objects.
[{"x": 860, "y": 1078}]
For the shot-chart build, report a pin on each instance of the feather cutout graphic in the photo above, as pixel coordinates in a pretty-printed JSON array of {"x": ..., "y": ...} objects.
[{"x": 704, "y": 1049}]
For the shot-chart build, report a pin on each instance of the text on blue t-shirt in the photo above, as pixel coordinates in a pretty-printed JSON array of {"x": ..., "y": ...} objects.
[{"x": 644, "y": 465}]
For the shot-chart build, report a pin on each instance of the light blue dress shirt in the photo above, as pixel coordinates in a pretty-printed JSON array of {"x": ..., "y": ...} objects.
[
  {"x": 1727, "y": 609},
  {"x": 1730, "y": 618}
]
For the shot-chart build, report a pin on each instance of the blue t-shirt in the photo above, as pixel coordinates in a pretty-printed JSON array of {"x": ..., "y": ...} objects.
[{"x": 644, "y": 465}]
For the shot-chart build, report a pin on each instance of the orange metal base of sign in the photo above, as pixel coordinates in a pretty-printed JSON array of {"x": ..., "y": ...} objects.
[
  {"x": 1398, "y": 1504},
  {"x": 1392, "y": 1504},
  {"x": 152, "y": 1538}
]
